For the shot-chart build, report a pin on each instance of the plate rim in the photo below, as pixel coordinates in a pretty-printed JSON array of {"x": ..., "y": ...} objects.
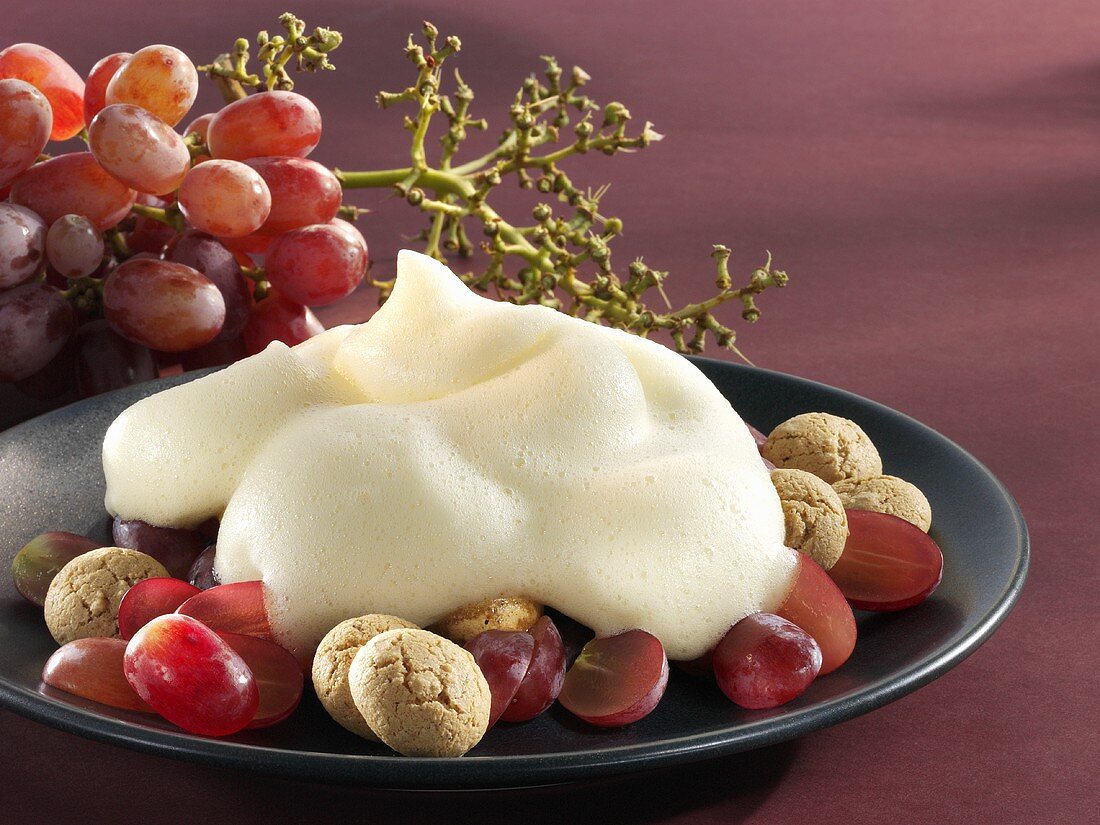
[{"x": 383, "y": 771}]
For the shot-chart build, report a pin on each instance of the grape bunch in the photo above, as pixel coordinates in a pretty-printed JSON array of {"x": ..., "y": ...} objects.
[{"x": 156, "y": 246}]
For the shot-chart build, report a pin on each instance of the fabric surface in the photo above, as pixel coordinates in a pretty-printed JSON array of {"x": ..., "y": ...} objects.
[{"x": 929, "y": 175}]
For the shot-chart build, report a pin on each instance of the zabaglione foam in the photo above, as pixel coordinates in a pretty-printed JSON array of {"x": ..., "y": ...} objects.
[{"x": 455, "y": 448}]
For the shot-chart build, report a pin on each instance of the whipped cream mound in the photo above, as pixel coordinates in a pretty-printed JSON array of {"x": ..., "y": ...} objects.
[{"x": 454, "y": 448}]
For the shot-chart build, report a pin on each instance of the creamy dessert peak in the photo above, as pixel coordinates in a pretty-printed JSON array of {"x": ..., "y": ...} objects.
[{"x": 454, "y": 449}]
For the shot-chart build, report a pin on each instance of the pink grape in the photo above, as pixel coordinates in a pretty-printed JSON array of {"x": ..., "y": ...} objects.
[
  {"x": 139, "y": 149},
  {"x": 815, "y": 604},
  {"x": 277, "y": 318},
  {"x": 41, "y": 558},
  {"x": 225, "y": 198},
  {"x": 616, "y": 680},
  {"x": 106, "y": 361},
  {"x": 149, "y": 234},
  {"x": 887, "y": 564},
  {"x": 25, "y": 123},
  {"x": 95, "y": 87},
  {"x": 545, "y": 676},
  {"x": 269, "y": 124},
  {"x": 22, "y": 244},
  {"x": 199, "y": 126},
  {"x": 317, "y": 265},
  {"x": 205, "y": 254},
  {"x": 163, "y": 305},
  {"x": 74, "y": 246},
  {"x": 765, "y": 661},
  {"x": 52, "y": 76},
  {"x": 93, "y": 669},
  {"x": 503, "y": 657},
  {"x": 35, "y": 323},
  {"x": 238, "y": 607},
  {"x": 303, "y": 192},
  {"x": 160, "y": 79},
  {"x": 278, "y": 676},
  {"x": 73, "y": 184},
  {"x": 174, "y": 547},
  {"x": 149, "y": 598},
  {"x": 190, "y": 676}
]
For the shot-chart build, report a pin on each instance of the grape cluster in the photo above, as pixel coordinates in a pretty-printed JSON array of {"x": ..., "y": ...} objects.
[{"x": 156, "y": 247}]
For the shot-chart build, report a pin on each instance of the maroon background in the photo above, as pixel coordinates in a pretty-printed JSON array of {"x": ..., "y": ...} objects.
[{"x": 928, "y": 173}]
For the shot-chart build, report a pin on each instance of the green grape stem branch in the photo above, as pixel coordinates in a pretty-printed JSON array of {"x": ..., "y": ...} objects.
[{"x": 561, "y": 258}]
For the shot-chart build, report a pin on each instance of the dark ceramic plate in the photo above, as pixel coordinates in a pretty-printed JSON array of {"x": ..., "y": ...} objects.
[{"x": 51, "y": 479}]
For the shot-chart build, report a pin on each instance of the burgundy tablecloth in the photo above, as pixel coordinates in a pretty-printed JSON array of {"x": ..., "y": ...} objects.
[{"x": 929, "y": 174}]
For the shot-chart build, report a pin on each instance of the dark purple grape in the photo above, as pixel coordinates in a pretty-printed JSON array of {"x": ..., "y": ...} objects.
[
  {"x": 35, "y": 323},
  {"x": 176, "y": 549},
  {"x": 215, "y": 354},
  {"x": 202, "y": 574},
  {"x": 106, "y": 361},
  {"x": 205, "y": 254}
]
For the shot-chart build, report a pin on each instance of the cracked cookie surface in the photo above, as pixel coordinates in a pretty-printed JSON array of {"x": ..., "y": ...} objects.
[
  {"x": 83, "y": 598},
  {"x": 887, "y": 494},
  {"x": 514, "y": 613},
  {"x": 812, "y": 514},
  {"x": 830, "y": 447},
  {"x": 333, "y": 659},
  {"x": 420, "y": 693}
]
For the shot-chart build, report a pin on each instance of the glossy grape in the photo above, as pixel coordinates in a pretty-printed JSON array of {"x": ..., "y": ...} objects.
[
  {"x": 503, "y": 657},
  {"x": 303, "y": 192},
  {"x": 269, "y": 124},
  {"x": 95, "y": 87},
  {"x": 190, "y": 676},
  {"x": 887, "y": 564},
  {"x": 106, "y": 361},
  {"x": 616, "y": 680},
  {"x": 173, "y": 547},
  {"x": 160, "y": 79},
  {"x": 317, "y": 265},
  {"x": 22, "y": 244},
  {"x": 35, "y": 323},
  {"x": 40, "y": 559},
  {"x": 163, "y": 305},
  {"x": 73, "y": 184},
  {"x": 139, "y": 149},
  {"x": 74, "y": 246},
  {"x": 199, "y": 126},
  {"x": 279, "y": 677},
  {"x": 205, "y": 254},
  {"x": 25, "y": 122},
  {"x": 815, "y": 604},
  {"x": 52, "y": 76},
  {"x": 765, "y": 661},
  {"x": 232, "y": 608},
  {"x": 225, "y": 198},
  {"x": 276, "y": 318},
  {"x": 545, "y": 675},
  {"x": 202, "y": 574},
  {"x": 93, "y": 669},
  {"x": 150, "y": 598}
]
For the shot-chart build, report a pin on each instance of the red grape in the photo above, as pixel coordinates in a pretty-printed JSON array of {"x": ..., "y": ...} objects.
[
  {"x": 106, "y": 361},
  {"x": 616, "y": 680},
  {"x": 202, "y": 574},
  {"x": 269, "y": 124},
  {"x": 35, "y": 323},
  {"x": 303, "y": 192},
  {"x": 816, "y": 605},
  {"x": 887, "y": 563},
  {"x": 764, "y": 661},
  {"x": 22, "y": 244},
  {"x": 225, "y": 198},
  {"x": 150, "y": 598},
  {"x": 545, "y": 675},
  {"x": 276, "y": 318},
  {"x": 74, "y": 246},
  {"x": 190, "y": 676},
  {"x": 215, "y": 354},
  {"x": 149, "y": 234},
  {"x": 73, "y": 184},
  {"x": 160, "y": 79},
  {"x": 163, "y": 305},
  {"x": 503, "y": 657},
  {"x": 317, "y": 265},
  {"x": 206, "y": 255},
  {"x": 278, "y": 676},
  {"x": 52, "y": 76},
  {"x": 174, "y": 547},
  {"x": 139, "y": 149},
  {"x": 93, "y": 668},
  {"x": 199, "y": 126},
  {"x": 232, "y": 608},
  {"x": 40, "y": 559},
  {"x": 95, "y": 88},
  {"x": 254, "y": 244},
  {"x": 25, "y": 121}
]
